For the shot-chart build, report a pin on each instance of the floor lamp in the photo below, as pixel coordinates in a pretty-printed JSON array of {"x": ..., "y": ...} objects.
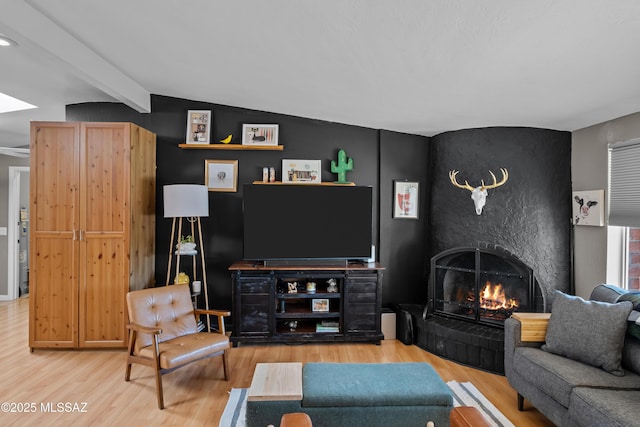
[{"x": 190, "y": 202}]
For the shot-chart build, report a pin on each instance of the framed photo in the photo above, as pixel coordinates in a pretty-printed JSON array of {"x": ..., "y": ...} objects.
[
  {"x": 301, "y": 171},
  {"x": 588, "y": 207},
  {"x": 320, "y": 305},
  {"x": 221, "y": 175},
  {"x": 405, "y": 199},
  {"x": 198, "y": 126},
  {"x": 259, "y": 134}
]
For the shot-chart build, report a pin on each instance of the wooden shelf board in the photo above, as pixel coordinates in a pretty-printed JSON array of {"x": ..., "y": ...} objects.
[
  {"x": 348, "y": 184},
  {"x": 307, "y": 295},
  {"x": 231, "y": 147}
]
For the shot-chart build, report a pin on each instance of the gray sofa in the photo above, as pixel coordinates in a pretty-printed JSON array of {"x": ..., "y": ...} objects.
[{"x": 569, "y": 386}]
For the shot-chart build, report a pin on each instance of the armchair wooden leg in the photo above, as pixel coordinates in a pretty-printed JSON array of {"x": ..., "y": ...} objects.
[
  {"x": 225, "y": 365},
  {"x": 159, "y": 388},
  {"x": 127, "y": 372},
  {"x": 520, "y": 402},
  {"x": 156, "y": 362},
  {"x": 132, "y": 339}
]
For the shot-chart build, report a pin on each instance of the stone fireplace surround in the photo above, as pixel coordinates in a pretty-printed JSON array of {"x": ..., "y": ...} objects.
[
  {"x": 470, "y": 340},
  {"x": 529, "y": 217}
]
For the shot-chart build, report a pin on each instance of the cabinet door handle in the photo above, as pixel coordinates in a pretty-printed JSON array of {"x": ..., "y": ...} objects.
[
  {"x": 81, "y": 235},
  {"x": 74, "y": 234}
]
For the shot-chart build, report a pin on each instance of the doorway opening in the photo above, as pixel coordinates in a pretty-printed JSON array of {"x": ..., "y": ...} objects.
[{"x": 18, "y": 233}]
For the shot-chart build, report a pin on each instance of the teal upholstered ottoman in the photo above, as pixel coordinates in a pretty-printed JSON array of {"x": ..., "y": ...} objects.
[{"x": 363, "y": 394}]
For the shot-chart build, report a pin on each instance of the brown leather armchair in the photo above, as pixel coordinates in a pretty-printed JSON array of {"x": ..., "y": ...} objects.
[{"x": 163, "y": 333}]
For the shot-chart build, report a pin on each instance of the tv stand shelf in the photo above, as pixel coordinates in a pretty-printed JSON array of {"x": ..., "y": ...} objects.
[{"x": 265, "y": 309}]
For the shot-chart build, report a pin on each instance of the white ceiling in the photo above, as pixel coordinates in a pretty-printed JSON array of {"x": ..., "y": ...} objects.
[{"x": 415, "y": 66}]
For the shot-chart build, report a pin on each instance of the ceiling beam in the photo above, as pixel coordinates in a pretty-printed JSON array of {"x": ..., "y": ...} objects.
[{"x": 23, "y": 20}]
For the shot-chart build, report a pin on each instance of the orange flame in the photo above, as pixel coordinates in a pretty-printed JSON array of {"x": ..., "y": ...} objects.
[{"x": 492, "y": 297}]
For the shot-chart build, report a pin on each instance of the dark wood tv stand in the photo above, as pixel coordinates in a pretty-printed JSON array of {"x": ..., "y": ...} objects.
[{"x": 264, "y": 310}]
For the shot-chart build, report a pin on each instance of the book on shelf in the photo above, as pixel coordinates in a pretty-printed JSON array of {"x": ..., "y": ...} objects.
[
  {"x": 322, "y": 328},
  {"x": 330, "y": 323}
]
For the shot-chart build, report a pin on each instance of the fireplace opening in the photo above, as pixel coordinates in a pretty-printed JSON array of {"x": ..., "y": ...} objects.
[{"x": 482, "y": 286}]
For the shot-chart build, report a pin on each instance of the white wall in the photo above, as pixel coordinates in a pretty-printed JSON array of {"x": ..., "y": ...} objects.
[{"x": 589, "y": 171}]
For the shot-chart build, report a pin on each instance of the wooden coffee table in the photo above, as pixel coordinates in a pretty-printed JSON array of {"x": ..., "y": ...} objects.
[{"x": 276, "y": 381}]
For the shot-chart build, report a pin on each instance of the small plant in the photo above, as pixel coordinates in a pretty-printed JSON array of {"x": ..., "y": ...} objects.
[
  {"x": 188, "y": 239},
  {"x": 186, "y": 243}
]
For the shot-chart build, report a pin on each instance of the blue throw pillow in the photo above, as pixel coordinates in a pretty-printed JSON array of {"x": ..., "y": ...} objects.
[
  {"x": 634, "y": 297},
  {"x": 591, "y": 332}
]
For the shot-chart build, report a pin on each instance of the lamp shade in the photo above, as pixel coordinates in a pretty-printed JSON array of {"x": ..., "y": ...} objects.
[{"x": 185, "y": 200}]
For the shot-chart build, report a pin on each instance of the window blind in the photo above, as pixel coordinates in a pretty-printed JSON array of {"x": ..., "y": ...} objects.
[{"x": 624, "y": 183}]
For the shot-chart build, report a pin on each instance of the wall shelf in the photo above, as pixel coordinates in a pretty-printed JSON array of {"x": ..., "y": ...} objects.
[
  {"x": 231, "y": 147},
  {"x": 348, "y": 184}
]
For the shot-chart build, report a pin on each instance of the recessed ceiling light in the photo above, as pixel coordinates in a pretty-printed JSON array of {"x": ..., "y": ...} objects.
[
  {"x": 9, "y": 104},
  {"x": 6, "y": 41}
]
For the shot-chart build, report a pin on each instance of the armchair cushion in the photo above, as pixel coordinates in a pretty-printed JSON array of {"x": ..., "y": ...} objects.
[
  {"x": 588, "y": 331},
  {"x": 186, "y": 349}
]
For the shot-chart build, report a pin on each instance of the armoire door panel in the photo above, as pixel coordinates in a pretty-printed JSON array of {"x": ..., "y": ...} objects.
[
  {"x": 102, "y": 291},
  {"x": 55, "y": 178},
  {"x": 54, "y": 303},
  {"x": 106, "y": 175}
]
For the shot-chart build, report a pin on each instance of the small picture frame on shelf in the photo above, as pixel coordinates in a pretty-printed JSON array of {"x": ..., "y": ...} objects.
[
  {"x": 320, "y": 305},
  {"x": 221, "y": 175},
  {"x": 301, "y": 171},
  {"x": 198, "y": 126},
  {"x": 405, "y": 199},
  {"x": 253, "y": 134}
]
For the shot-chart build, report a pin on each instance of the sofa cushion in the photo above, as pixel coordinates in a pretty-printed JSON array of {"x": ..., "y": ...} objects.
[
  {"x": 602, "y": 407},
  {"x": 558, "y": 375},
  {"x": 588, "y": 331}
]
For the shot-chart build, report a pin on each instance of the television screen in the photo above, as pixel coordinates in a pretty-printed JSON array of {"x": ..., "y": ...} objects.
[{"x": 307, "y": 222}]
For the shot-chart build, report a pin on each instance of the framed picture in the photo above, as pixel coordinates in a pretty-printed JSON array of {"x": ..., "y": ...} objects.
[
  {"x": 198, "y": 126},
  {"x": 321, "y": 305},
  {"x": 405, "y": 199},
  {"x": 301, "y": 171},
  {"x": 259, "y": 134},
  {"x": 221, "y": 175},
  {"x": 588, "y": 207}
]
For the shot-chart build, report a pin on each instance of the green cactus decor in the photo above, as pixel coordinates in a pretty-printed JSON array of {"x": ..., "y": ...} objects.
[{"x": 342, "y": 167}]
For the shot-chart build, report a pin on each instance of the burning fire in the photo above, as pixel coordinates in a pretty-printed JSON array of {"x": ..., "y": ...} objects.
[{"x": 492, "y": 297}]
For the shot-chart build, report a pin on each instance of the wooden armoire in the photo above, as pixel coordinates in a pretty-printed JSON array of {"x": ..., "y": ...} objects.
[{"x": 92, "y": 200}]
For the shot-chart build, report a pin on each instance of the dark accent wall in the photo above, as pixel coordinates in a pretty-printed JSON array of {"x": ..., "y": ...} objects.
[
  {"x": 403, "y": 242},
  {"x": 403, "y": 250},
  {"x": 529, "y": 216}
]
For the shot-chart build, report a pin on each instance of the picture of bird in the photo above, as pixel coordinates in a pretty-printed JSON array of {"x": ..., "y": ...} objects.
[{"x": 227, "y": 139}]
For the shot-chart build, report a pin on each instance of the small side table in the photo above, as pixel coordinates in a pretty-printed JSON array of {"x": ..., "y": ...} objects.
[{"x": 534, "y": 326}]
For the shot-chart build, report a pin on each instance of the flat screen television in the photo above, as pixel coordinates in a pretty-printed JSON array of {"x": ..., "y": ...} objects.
[{"x": 307, "y": 222}]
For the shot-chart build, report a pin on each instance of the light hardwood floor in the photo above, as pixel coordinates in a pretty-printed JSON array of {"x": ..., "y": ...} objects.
[{"x": 194, "y": 395}]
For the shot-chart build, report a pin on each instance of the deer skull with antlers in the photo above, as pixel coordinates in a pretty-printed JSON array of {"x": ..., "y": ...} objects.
[{"x": 479, "y": 194}]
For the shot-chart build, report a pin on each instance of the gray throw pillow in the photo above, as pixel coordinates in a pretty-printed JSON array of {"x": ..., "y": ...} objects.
[{"x": 591, "y": 332}]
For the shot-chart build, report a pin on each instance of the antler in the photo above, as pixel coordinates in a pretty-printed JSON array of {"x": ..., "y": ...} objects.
[
  {"x": 505, "y": 177},
  {"x": 454, "y": 181}
]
